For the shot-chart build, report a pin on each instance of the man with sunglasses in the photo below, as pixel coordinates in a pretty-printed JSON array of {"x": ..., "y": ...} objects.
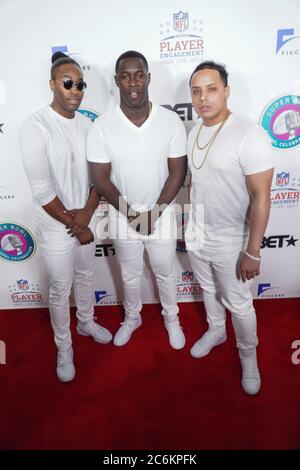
[
  {"x": 53, "y": 145},
  {"x": 137, "y": 153}
]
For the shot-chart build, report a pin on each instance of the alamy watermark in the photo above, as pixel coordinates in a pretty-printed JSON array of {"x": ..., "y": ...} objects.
[
  {"x": 295, "y": 358},
  {"x": 163, "y": 222},
  {"x": 2, "y": 92},
  {"x": 2, "y": 352}
]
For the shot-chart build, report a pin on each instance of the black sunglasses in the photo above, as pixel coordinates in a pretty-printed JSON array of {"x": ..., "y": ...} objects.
[{"x": 68, "y": 83}]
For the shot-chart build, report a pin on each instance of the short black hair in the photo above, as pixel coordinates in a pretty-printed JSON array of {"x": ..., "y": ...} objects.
[
  {"x": 210, "y": 64},
  {"x": 58, "y": 59},
  {"x": 129, "y": 54}
]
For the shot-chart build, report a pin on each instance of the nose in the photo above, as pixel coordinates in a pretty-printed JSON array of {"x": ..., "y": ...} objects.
[
  {"x": 132, "y": 80},
  {"x": 203, "y": 96},
  {"x": 74, "y": 90}
]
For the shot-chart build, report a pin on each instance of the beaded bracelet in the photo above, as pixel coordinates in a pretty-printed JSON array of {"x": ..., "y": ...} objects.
[{"x": 255, "y": 258}]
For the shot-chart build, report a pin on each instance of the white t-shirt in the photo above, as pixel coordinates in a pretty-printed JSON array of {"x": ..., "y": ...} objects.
[
  {"x": 218, "y": 224},
  {"x": 53, "y": 150},
  {"x": 138, "y": 155}
]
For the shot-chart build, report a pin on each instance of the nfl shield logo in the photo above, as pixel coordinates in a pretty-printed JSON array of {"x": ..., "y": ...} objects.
[
  {"x": 181, "y": 21},
  {"x": 187, "y": 276},
  {"x": 282, "y": 179},
  {"x": 23, "y": 284}
]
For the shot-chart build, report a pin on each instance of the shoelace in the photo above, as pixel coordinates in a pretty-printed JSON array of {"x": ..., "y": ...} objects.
[
  {"x": 64, "y": 363},
  {"x": 63, "y": 360},
  {"x": 128, "y": 325},
  {"x": 174, "y": 324},
  {"x": 207, "y": 337},
  {"x": 249, "y": 366},
  {"x": 94, "y": 326}
]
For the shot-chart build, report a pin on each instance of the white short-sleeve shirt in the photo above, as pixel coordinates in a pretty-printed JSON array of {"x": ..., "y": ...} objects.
[
  {"x": 219, "y": 218},
  {"x": 53, "y": 150},
  {"x": 138, "y": 155}
]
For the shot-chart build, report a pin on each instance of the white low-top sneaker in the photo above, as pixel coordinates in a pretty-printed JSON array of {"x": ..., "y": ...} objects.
[
  {"x": 98, "y": 332},
  {"x": 176, "y": 335},
  {"x": 210, "y": 339},
  {"x": 65, "y": 368},
  {"x": 124, "y": 333},
  {"x": 251, "y": 381}
]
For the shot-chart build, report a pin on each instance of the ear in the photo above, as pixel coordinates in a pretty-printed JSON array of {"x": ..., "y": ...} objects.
[
  {"x": 52, "y": 84},
  {"x": 149, "y": 77},
  {"x": 227, "y": 91},
  {"x": 116, "y": 81}
]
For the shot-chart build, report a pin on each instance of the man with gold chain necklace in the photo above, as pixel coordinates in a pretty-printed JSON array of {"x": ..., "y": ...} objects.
[
  {"x": 137, "y": 154},
  {"x": 231, "y": 163}
]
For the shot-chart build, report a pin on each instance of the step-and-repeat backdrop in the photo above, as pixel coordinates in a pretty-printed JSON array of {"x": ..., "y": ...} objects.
[{"x": 259, "y": 41}]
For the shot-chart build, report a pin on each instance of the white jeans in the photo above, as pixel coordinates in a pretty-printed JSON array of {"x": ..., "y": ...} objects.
[
  {"x": 67, "y": 263},
  {"x": 162, "y": 259},
  {"x": 222, "y": 288}
]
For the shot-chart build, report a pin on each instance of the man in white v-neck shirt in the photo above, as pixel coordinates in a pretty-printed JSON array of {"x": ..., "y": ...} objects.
[
  {"x": 53, "y": 147},
  {"x": 137, "y": 155},
  {"x": 231, "y": 163}
]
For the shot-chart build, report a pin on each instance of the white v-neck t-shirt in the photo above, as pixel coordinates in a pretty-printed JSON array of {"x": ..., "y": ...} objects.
[
  {"x": 219, "y": 217},
  {"x": 53, "y": 150},
  {"x": 138, "y": 155}
]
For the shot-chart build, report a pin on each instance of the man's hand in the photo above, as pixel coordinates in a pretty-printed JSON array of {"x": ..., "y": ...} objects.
[
  {"x": 81, "y": 219},
  {"x": 249, "y": 268},
  {"x": 86, "y": 236},
  {"x": 144, "y": 223}
]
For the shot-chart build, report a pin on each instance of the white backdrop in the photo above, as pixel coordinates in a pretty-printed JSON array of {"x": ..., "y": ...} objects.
[{"x": 259, "y": 41}]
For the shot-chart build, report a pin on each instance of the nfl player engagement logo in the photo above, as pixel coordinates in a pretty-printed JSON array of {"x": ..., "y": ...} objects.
[
  {"x": 186, "y": 287},
  {"x": 180, "y": 21},
  {"x": 281, "y": 119},
  {"x": 285, "y": 192},
  {"x": 187, "y": 276},
  {"x": 23, "y": 284},
  {"x": 282, "y": 179},
  {"x": 24, "y": 293},
  {"x": 181, "y": 38},
  {"x": 16, "y": 243}
]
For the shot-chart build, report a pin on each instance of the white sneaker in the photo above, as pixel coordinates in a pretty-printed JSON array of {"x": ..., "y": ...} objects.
[
  {"x": 210, "y": 339},
  {"x": 98, "y": 332},
  {"x": 124, "y": 333},
  {"x": 251, "y": 379},
  {"x": 176, "y": 335},
  {"x": 65, "y": 368}
]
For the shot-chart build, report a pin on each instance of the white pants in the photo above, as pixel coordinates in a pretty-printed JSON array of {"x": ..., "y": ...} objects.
[
  {"x": 222, "y": 288},
  {"x": 162, "y": 259},
  {"x": 67, "y": 263}
]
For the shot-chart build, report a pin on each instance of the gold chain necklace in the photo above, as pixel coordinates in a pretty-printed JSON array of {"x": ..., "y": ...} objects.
[{"x": 209, "y": 143}]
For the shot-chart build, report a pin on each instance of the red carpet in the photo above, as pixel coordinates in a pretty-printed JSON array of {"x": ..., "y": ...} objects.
[{"x": 146, "y": 395}]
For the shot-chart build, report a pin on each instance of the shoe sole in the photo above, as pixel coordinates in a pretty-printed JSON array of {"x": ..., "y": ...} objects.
[
  {"x": 123, "y": 344},
  {"x": 251, "y": 393},
  {"x": 66, "y": 380},
  {"x": 206, "y": 354},
  {"x": 176, "y": 347}
]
